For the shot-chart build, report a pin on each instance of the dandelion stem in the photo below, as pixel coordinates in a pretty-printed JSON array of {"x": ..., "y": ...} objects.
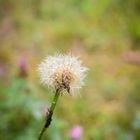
[{"x": 49, "y": 117}]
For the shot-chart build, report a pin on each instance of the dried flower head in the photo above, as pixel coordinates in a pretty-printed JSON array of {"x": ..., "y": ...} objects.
[{"x": 62, "y": 72}]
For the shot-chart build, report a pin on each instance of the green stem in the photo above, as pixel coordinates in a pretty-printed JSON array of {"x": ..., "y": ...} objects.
[{"x": 49, "y": 117}]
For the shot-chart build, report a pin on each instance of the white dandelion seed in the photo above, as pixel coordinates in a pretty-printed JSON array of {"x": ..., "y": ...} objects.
[{"x": 63, "y": 72}]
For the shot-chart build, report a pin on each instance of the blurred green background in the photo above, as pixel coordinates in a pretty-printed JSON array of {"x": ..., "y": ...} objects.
[{"x": 106, "y": 36}]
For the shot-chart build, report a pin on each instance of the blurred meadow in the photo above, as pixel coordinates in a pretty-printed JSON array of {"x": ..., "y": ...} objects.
[{"x": 105, "y": 34}]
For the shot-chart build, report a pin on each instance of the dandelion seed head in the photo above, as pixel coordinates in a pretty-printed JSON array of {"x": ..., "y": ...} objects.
[{"x": 63, "y": 72}]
